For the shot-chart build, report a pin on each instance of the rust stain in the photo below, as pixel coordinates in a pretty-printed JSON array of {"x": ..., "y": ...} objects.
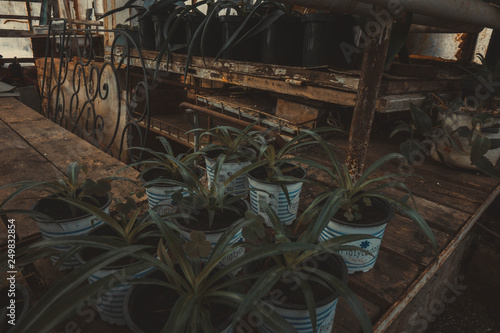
[{"x": 462, "y": 39}]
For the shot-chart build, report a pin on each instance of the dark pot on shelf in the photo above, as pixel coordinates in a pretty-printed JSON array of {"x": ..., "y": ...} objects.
[
  {"x": 323, "y": 35},
  {"x": 282, "y": 42},
  {"x": 247, "y": 50},
  {"x": 159, "y": 25},
  {"x": 212, "y": 43},
  {"x": 147, "y": 31},
  {"x": 178, "y": 39}
]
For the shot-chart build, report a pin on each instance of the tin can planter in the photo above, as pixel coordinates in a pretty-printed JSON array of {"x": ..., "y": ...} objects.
[
  {"x": 356, "y": 260},
  {"x": 160, "y": 197},
  {"x": 274, "y": 196},
  {"x": 443, "y": 151},
  {"x": 214, "y": 235},
  {"x": 298, "y": 314},
  {"x": 147, "y": 307},
  {"x": 68, "y": 227},
  {"x": 110, "y": 303},
  {"x": 227, "y": 169}
]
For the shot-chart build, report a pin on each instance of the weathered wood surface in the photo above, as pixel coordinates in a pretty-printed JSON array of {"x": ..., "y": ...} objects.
[
  {"x": 450, "y": 200},
  {"x": 320, "y": 84},
  {"x": 37, "y": 149}
]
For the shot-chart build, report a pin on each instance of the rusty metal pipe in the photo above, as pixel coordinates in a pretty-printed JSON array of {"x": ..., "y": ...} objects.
[
  {"x": 449, "y": 14},
  {"x": 475, "y": 12},
  {"x": 184, "y": 107}
]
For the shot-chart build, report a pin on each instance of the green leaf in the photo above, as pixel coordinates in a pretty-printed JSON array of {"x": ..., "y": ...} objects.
[
  {"x": 422, "y": 121},
  {"x": 198, "y": 247},
  {"x": 402, "y": 127},
  {"x": 410, "y": 149},
  {"x": 479, "y": 148},
  {"x": 485, "y": 165}
]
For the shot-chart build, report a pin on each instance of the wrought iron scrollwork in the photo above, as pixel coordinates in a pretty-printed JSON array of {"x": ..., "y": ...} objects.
[{"x": 99, "y": 101}]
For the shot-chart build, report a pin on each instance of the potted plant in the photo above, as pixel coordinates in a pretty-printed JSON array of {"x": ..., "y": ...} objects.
[
  {"x": 234, "y": 144},
  {"x": 162, "y": 176},
  {"x": 57, "y": 218},
  {"x": 124, "y": 229},
  {"x": 366, "y": 209},
  {"x": 302, "y": 282},
  {"x": 212, "y": 209},
  {"x": 459, "y": 136},
  {"x": 276, "y": 177},
  {"x": 193, "y": 292}
]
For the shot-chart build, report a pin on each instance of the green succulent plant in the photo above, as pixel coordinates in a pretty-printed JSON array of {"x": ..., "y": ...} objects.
[{"x": 70, "y": 188}]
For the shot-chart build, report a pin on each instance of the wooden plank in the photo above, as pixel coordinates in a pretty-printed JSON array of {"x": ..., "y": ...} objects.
[
  {"x": 61, "y": 147},
  {"x": 17, "y": 162},
  {"x": 346, "y": 321},
  {"x": 268, "y": 84},
  {"x": 387, "y": 281},
  {"x": 18, "y": 17},
  {"x": 446, "y": 262},
  {"x": 404, "y": 237}
]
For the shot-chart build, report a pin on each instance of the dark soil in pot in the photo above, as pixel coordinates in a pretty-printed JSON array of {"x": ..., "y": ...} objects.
[
  {"x": 62, "y": 211},
  {"x": 89, "y": 253},
  {"x": 150, "y": 306},
  {"x": 282, "y": 42},
  {"x": 288, "y": 169},
  {"x": 380, "y": 212},
  {"x": 222, "y": 220}
]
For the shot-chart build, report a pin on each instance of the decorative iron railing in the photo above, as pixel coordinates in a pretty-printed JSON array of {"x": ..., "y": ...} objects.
[{"x": 104, "y": 102}]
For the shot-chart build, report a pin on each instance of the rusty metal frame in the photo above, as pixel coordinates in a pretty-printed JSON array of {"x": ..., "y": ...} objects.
[{"x": 88, "y": 88}]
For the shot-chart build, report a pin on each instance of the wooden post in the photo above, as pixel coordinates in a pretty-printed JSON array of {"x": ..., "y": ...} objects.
[{"x": 372, "y": 69}]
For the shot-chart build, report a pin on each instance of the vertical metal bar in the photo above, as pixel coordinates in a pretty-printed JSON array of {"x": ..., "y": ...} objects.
[
  {"x": 372, "y": 69},
  {"x": 28, "y": 12}
]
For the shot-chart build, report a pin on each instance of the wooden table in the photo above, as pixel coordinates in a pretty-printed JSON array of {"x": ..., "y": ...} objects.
[{"x": 400, "y": 294}]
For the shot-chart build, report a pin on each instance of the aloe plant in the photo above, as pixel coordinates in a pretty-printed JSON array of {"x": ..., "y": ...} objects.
[
  {"x": 227, "y": 140},
  {"x": 299, "y": 249},
  {"x": 359, "y": 194},
  {"x": 70, "y": 188}
]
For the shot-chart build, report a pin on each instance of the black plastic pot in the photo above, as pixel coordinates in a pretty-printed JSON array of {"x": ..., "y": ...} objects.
[
  {"x": 323, "y": 34},
  {"x": 147, "y": 31},
  {"x": 213, "y": 39},
  {"x": 247, "y": 50},
  {"x": 282, "y": 42},
  {"x": 159, "y": 25}
]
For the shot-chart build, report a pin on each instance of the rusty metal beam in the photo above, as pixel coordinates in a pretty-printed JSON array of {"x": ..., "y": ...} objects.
[
  {"x": 372, "y": 69},
  {"x": 432, "y": 14},
  {"x": 476, "y": 12}
]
